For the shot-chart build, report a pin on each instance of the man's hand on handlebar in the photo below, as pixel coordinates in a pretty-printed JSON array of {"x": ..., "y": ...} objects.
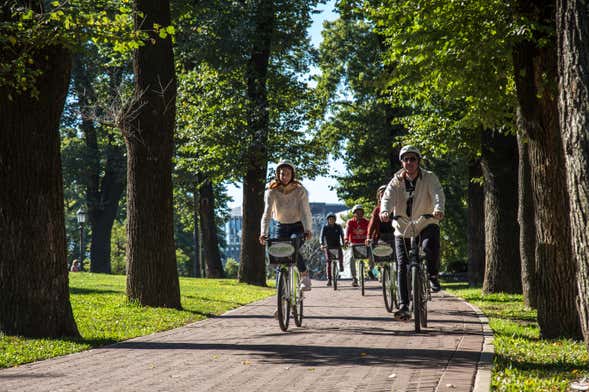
[
  {"x": 439, "y": 215},
  {"x": 262, "y": 239},
  {"x": 308, "y": 235}
]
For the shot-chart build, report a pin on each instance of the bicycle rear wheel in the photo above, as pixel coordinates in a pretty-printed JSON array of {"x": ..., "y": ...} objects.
[
  {"x": 297, "y": 311},
  {"x": 388, "y": 288},
  {"x": 361, "y": 273},
  {"x": 416, "y": 297},
  {"x": 283, "y": 298}
]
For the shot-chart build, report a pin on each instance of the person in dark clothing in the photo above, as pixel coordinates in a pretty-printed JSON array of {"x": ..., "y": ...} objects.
[{"x": 332, "y": 237}]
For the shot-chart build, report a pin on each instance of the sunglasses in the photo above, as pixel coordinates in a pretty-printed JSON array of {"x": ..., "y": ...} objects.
[{"x": 409, "y": 159}]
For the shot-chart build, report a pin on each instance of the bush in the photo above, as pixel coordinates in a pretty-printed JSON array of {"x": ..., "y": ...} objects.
[{"x": 231, "y": 268}]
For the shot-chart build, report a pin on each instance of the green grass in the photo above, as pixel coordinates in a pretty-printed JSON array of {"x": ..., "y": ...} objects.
[
  {"x": 523, "y": 361},
  {"x": 104, "y": 315}
]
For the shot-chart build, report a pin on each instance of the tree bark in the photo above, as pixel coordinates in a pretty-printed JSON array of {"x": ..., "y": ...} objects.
[
  {"x": 527, "y": 227},
  {"x": 212, "y": 256},
  {"x": 152, "y": 275},
  {"x": 34, "y": 294},
  {"x": 499, "y": 165},
  {"x": 535, "y": 71},
  {"x": 476, "y": 226},
  {"x": 196, "y": 235},
  {"x": 572, "y": 27},
  {"x": 252, "y": 268}
]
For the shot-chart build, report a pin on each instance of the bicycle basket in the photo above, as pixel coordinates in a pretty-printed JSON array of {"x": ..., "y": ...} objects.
[
  {"x": 280, "y": 252},
  {"x": 360, "y": 251},
  {"x": 382, "y": 252}
]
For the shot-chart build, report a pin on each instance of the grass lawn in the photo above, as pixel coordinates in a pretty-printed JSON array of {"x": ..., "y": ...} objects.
[
  {"x": 523, "y": 361},
  {"x": 104, "y": 316}
]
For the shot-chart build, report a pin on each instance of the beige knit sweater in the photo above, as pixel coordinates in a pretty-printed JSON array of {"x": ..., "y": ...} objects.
[{"x": 288, "y": 204}]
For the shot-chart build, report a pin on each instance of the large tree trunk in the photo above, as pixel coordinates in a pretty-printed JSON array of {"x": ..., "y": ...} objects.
[
  {"x": 535, "y": 71},
  {"x": 572, "y": 26},
  {"x": 527, "y": 226},
  {"x": 499, "y": 164},
  {"x": 252, "y": 268},
  {"x": 34, "y": 296},
  {"x": 212, "y": 256},
  {"x": 476, "y": 226},
  {"x": 196, "y": 235},
  {"x": 152, "y": 275}
]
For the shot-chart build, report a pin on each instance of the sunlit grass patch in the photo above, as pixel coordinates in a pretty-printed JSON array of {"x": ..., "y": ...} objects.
[
  {"x": 103, "y": 314},
  {"x": 523, "y": 361}
]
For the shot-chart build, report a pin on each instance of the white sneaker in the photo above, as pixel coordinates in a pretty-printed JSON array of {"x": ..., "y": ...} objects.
[{"x": 306, "y": 284}]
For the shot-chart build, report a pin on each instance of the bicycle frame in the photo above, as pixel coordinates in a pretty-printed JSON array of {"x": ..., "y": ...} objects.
[
  {"x": 285, "y": 253},
  {"x": 333, "y": 259},
  {"x": 417, "y": 275},
  {"x": 359, "y": 254}
]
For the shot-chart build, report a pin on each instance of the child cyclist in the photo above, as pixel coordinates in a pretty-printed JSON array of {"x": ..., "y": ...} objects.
[
  {"x": 286, "y": 200},
  {"x": 332, "y": 237},
  {"x": 356, "y": 230}
]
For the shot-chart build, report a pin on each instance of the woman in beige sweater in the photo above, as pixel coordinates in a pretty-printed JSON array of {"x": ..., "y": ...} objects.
[{"x": 287, "y": 202}]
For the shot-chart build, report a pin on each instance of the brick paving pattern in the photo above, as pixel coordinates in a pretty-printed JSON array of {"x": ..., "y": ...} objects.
[{"x": 347, "y": 343}]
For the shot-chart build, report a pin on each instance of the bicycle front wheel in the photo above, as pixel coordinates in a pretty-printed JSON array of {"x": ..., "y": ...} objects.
[
  {"x": 416, "y": 297},
  {"x": 361, "y": 273},
  {"x": 424, "y": 298},
  {"x": 334, "y": 273},
  {"x": 283, "y": 298},
  {"x": 297, "y": 311}
]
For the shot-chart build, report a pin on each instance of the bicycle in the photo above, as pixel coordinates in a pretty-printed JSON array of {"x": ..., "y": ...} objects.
[
  {"x": 360, "y": 253},
  {"x": 383, "y": 253},
  {"x": 333, "y": 259},
  {"x": 284, "y": 253},
  {"x": 420, "y": 292}
]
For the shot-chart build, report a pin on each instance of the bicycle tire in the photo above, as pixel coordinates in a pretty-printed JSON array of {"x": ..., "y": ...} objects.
[
  {"x": 297, "y": 311},
  {"x": 283, "y": 301},
  {"x": 386, "y": 288},
  {"x": 361, "y": 273},
  {"x": 424, "y": 283},
  {"x": 416, "y": 297},
  {"x": 334, "y": 273}
]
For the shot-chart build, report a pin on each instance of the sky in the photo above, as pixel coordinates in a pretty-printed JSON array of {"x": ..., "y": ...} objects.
[{"x": 319, "y": 188}]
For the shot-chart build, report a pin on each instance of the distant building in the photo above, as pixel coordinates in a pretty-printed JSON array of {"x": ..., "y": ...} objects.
[
  {"x": 233, "y": 234},
  {"x": 233, "y": 226}
]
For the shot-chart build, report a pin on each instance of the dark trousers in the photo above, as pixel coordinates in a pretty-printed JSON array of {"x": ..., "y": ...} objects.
[
  {"x": 340, "y": 258},
  {"x": 430, "y": 242},
  {"x": 284, "y": 231}
]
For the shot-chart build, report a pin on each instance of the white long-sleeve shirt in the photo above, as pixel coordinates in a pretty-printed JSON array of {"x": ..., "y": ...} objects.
[{"x": 288, "y": 204}]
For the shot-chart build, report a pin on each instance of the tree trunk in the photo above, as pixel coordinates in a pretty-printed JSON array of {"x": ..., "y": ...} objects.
[
  {"x": 572, "y": 26},
  {"x": 102, "y": 194},
  {"x": 152, "y": 275},
  {"x": 196, "y": 234},
  {"x": 476, "y": 226},
  {"x": 527, "y": 227},
  {"x": 34, "y": 295},
  {"x": 535, "y": 71},
  {"x": 252, "y": 268},
  {"x": 212, "y": 256},
  {"x": 499, "y": 164}
]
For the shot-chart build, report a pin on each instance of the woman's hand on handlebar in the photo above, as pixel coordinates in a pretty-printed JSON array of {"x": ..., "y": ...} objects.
[
  {"x": 384, "y": 216},
  {"x": 262, "y": 239},
  {"x": 308, "y": 235}
]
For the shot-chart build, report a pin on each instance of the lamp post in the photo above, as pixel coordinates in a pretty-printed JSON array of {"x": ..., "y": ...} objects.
[{"x": 81, "y": 215}]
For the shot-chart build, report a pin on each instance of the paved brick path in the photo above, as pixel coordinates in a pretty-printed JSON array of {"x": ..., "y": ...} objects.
[{"x": 347, "y": 343}]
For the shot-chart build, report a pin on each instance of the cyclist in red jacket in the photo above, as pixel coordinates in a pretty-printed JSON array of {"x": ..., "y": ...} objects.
[{"x": 356, "y": 231}]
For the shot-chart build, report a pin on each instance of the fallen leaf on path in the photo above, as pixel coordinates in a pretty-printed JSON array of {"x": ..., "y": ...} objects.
[{"x": 393, "y": 375}]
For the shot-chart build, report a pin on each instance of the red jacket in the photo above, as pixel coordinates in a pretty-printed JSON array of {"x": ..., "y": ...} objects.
[{"x": 356, "y": 230}]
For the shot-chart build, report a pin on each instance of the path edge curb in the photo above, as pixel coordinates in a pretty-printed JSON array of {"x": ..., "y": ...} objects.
[{"x": 482, "y": 381}]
